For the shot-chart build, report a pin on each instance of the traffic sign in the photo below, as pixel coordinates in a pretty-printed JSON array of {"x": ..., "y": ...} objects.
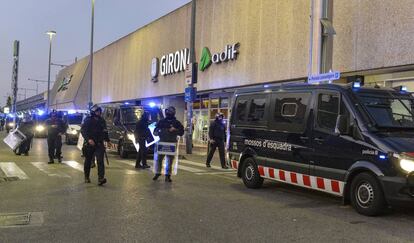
[
  {"x": 317, "y": 78},
  {"x": 190, "y": 94}
]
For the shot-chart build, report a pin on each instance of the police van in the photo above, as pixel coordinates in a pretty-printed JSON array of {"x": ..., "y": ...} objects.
[
  {"x": 73, "y": 119},
  {"x": 347, "y": 140},
  {"x": 121, "y": 119}
]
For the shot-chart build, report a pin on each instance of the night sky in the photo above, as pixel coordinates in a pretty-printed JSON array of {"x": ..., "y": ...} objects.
[{"x": 28, "y": 20}]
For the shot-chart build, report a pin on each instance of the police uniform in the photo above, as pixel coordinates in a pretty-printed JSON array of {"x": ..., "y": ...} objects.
[
  {"x": 142, "y": 134},
  {"x": 94, "y": 128},
  {"x": 217, "y": 134},
  {"x": 26, "y": 127},
  {"x": 163, "y": 130},
  {"x": 55, "y": 128}
]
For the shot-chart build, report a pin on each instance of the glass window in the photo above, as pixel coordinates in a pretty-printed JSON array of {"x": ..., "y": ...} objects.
[
  {"x": 257, "y": 110},
  {"x": 241, "y": 109},
  {"x": 214, "y": 103},
  {"x": 390, "y": 111},
  {"x": 225, "y": 113},
  {"x": 290, "y": 111},
  {"x": 328, "y": 110},
  {"x": 197, "y": 104},
  {"x": 204, "y": 103},
  {"x": 131, "y": 115},
  {"x": 224, "y": 102},
  {"x": 213, "y": 113}
]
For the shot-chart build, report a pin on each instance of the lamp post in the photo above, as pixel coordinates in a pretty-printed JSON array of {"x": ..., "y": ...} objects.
[
  {"x": 50, "y": 33},
  {"x": 91, "y": 55}
]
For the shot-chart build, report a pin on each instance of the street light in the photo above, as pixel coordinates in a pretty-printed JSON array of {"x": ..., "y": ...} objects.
[
  {"x": 91, "y": 55},
  {"x": 51, "y": 33}
]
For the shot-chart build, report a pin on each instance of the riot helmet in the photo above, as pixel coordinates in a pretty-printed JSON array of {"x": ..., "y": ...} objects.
[
  {"x": 95, "y": 110},
  {"x": 170, "y": 112}
]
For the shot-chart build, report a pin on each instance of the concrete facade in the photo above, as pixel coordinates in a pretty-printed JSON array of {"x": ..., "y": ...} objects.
[
  {"x": 273, "y": 37},
  {"x": 373, "y": 34},
  {"x": 372, "y": 37}
]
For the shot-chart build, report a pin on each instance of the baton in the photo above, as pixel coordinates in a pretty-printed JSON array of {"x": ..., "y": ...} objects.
[{"x": 106, "y": 157}]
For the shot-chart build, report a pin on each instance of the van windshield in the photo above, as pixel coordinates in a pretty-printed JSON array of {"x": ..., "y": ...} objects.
[
  {"x": 75, "y": 119},
  {"x": 131, "y": 115},
  {"x": 389, "y": 110}
]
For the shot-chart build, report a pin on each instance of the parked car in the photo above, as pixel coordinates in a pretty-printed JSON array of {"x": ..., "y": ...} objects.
[
  {"x": 121, "y": 120},
  {"x": 350, "y": 141}
]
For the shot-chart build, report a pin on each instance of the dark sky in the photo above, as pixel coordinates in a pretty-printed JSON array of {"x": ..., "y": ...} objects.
[{"x": 28, "y": 20}]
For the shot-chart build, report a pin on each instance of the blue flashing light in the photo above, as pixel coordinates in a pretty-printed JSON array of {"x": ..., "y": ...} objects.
[
  {"x": 266, "y": 86},
  {"x": 70, "y": 112},
  {"x": 356, "y": 85},
  {"x": 404, "y": 88},
  {"x": 382, "y": 156},
  {"x": 126, "y": 103},
  {"x": 40, "y": 112},
  {"x": 152, "y": 104}
]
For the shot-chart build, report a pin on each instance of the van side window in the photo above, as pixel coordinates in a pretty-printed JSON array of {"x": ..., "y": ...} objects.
[
  {"x": 290, "y": 111},
  {"x": 257, "y": 109},
  {"x": 328, "y": 110},
  {"x": 241, "y": 109}
]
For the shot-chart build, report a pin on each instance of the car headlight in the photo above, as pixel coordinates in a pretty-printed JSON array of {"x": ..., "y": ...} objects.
[
  {"x": 11, "y": 124},
  {"x": 40, "y": 128},
  {"x": 131, "y": 137}
]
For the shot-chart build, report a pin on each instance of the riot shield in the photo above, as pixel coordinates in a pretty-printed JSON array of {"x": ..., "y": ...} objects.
[{"x": 163, "y": 154}]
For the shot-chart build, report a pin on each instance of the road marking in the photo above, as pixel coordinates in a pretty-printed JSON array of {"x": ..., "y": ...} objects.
[
  {"x": 10, "y": 169},
  {"x": 183, "y": 167},
  {"x": 180, "y": 166},
  {"x": 203, "y": 165},
  {"x": 74, "y": 164},
  {"x": 217, "y": 173},
  {"x": 49, "y": 170}
]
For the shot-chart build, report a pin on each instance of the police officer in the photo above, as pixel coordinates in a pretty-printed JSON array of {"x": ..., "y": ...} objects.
[
  {"x": 26, "y": 127},
  {"x": 95, "y": 134},
  {"x": 167, "y": 129},
  {"x": 55, "y": 129},
  {"x": 217, "y": 135},
  {"x": 142, "y": 134}
]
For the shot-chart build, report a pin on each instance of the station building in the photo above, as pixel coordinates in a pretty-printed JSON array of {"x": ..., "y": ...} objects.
[{"x": 244, "y": 43}]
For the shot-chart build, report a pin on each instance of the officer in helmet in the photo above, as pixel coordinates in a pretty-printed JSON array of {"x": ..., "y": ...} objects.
[
  {"x": 142, "y": 134},
  {"x": 95, "y": 134},
  {"x": 217, "y": 135},
  {"x": 167, "y": 129},
  {"x": 56, "y": 127}
]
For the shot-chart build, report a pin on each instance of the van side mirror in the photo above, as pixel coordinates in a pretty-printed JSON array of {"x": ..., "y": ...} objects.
[{"x": 342, "y": 125}]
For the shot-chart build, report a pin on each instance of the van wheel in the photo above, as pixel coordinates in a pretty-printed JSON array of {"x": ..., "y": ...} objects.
[
  {"x": 367, "y": 196},
  {"x": 122, "y": 152},
  {"x": 250, "y": 174}
]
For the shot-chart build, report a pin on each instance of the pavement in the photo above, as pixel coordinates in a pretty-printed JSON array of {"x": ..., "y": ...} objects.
[{"x": 51, "y": 203}]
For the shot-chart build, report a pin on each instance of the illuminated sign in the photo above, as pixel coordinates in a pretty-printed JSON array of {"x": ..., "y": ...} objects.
[{"x": 64, "y": 83}]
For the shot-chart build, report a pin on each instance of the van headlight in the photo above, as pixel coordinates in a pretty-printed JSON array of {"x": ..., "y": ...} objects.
[
  {"x": 73, "y": 132},
  {"x": 11, "y": 124},
  {"x": 40, "y": 128},
  {"x": 131, "y": 137},
  {"x": 406, "y": 162},
  {"x": 407, "y": 165}
]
